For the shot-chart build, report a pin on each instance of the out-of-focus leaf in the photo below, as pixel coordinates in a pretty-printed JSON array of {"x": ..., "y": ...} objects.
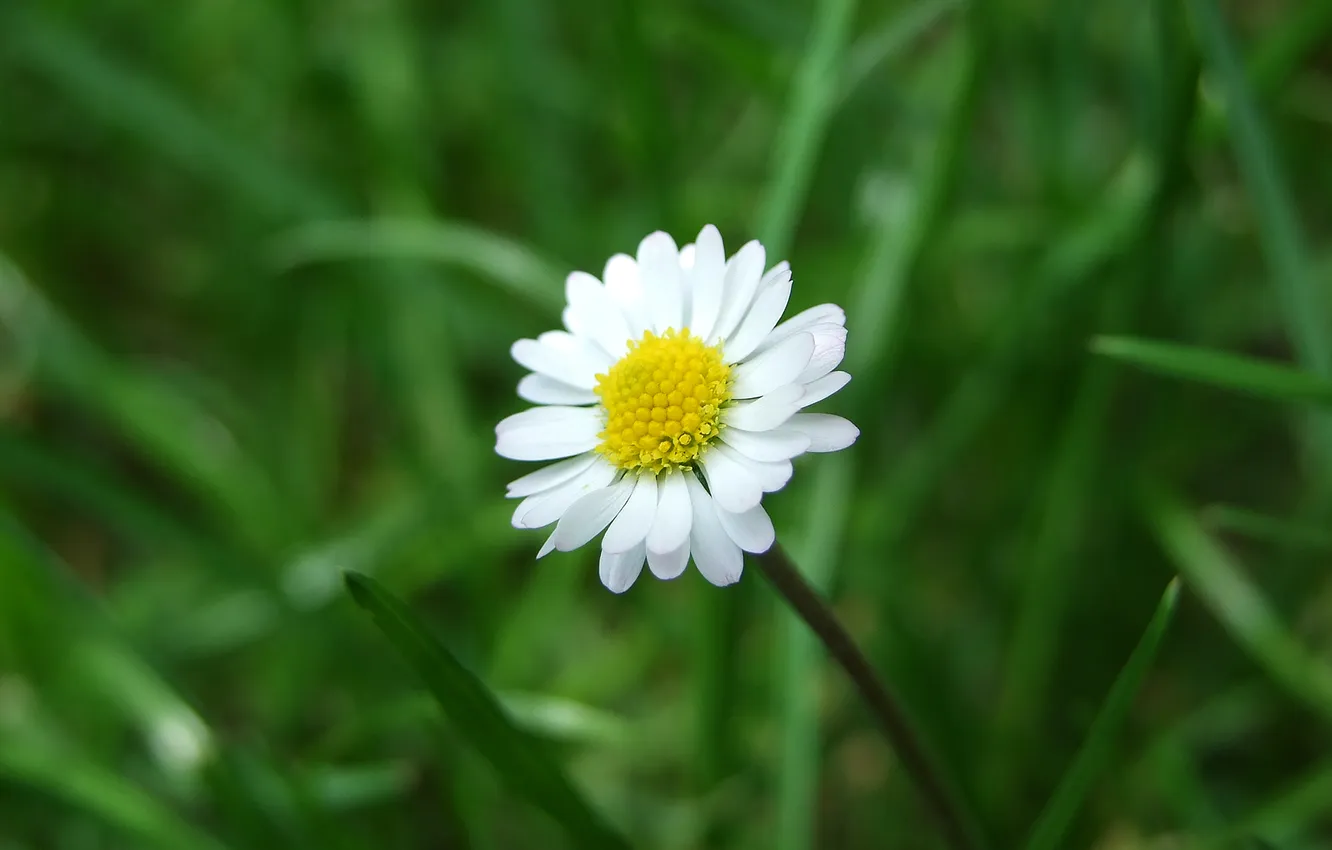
[
  {"x": 504, "y": 262},
  {"x": 1238, "y": 604},
  {"x": 1261, "y": 527},
  {"x": 1218, "y": 368},
  {"x": 476, "y": 713},
  {"x": 1097, "y": 751},
  {"x": 101, "y": 793}
]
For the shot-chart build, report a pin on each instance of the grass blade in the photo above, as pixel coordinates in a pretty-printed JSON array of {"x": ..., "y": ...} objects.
[
  {"x": 510, "y": 265},
  {"x": 1301, "y": 301},
  {"x": 1237, "y": 604},
  {"x": 476, "y": 713},
  {"x": 1258, "y": 526},
  {"x": 1097, "y": 750},
  {"x": 1217, "y": 368},
  {"x": 99, "y": 792}
]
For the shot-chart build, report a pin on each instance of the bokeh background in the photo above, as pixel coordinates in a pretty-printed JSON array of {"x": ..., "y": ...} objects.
[{"x": 261, "y": 267}]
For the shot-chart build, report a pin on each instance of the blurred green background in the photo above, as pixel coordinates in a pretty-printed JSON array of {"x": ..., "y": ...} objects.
[{"x": 260, "y": 268}]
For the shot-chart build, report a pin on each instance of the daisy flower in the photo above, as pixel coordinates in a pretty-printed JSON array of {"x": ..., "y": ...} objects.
[{"x": 672, "y": 401}]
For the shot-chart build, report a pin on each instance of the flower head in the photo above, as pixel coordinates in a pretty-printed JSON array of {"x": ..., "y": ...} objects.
[{"x": 672, "y": 401}]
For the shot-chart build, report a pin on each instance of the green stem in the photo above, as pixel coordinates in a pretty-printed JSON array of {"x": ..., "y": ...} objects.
[{"x": 955, "y": 823}]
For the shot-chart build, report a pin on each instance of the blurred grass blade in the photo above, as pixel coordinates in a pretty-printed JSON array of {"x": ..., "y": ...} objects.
[
  {"x": 476, "y": 714},
  {"x": 1237, "y": 604},
  {"x": 1098, "y": 750},
  {"x": 166, "y": 426},
  {"x": 1217, "y": 368},
  {"x": 97, "y": 791},
  {"x": 135, "y": 103},
  {"x": 1282, "y": 819},
  {"x": 1301, "y": 301},
  {"x": 812, "y": 102},
  {"x": 1261, "y": 527},
  {"x": 889, "y": 41},
  {"x": 510, "y": 265}
]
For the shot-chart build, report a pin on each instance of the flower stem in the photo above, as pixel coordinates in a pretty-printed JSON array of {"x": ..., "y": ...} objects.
[{"x": 956, "y": 825}]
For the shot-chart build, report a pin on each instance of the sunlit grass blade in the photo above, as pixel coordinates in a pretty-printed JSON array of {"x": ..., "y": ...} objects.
[
  {"x": 477, "y": 715},
  {"x": 1239, "y": 606},
  {"x": 1258, "y": 526},
  {"x": 504, "y": 262},
  {"x": 1218, "y": 368},
  {"x": 1098, "y": 750}
]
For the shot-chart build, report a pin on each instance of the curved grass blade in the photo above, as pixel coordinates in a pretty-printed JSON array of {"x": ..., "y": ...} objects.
[
  {"x": 1239, "y": 606},
  {"x": 1097, "y": 751},
  {"x": 515, "y": 268},
  {"x": 1257, "y": 526},
  {"x": 1217, "y": 368},
  {"x": 475, "y": 711},
  {"x": 35, "y": 760}
]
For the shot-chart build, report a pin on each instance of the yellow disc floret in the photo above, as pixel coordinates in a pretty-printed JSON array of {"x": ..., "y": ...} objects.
[{"x": 663, "y": 401}]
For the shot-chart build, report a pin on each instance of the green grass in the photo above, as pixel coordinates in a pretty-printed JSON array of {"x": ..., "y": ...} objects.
[{"x": 260, "y": 268}]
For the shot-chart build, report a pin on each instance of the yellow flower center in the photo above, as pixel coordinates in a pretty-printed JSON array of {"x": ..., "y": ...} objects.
[{"x": 663, "y": 400}]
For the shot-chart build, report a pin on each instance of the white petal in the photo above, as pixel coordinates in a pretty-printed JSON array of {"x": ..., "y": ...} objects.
[
  {"x": 771, "y": 475},
  {"x": 576, "y": 346},
  {"x": 626, "y": 290},
  {"x": 561, "y": 356},
  {"x": 541, "y": 509},
  {"x": 773, "y": 368},
  {"x": 732, "y": 485},
  {"x": 818, "y": 390},
  {"x": 752, "y": 530},
  {"x": 778, "y": 272},
  {"x": 549, "y": 476},
  {"x": 631, "y": 527},
  {"x": 827, "y": 433},
  {"x": 715, "y": 553},
  {"x": 687, "y": 256},
  {"x": 586, "y": 517},
  {"x": 659, "y": 270},
  {"x": 670, "y": 529},
  {"x": 829, "y": 348},
  {"x": 619, "y": 570},
  {"x": 767, "y": 412},
  {"x": 574, "y": 322},
  {"x": 597, "y": 314},
  {"x": 758, "y": 323},
  {"x": 818, "y": 315},
  {"x": 743, "y": 273},
  {"x": 548, "y": 433},
  {"x": 669, "y": 565},
  {"x": 543, "y": 389},
  {"x": 707, "y": 282},
  {"x": 546, "y": 416},
  {"x": 775, "y": 445}
]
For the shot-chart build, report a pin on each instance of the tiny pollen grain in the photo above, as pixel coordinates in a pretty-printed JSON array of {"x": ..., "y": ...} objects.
[{"x": 663, "y": 401}]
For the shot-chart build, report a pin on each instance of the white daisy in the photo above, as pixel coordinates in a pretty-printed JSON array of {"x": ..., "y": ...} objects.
[{"x": 675, "y": 397}]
